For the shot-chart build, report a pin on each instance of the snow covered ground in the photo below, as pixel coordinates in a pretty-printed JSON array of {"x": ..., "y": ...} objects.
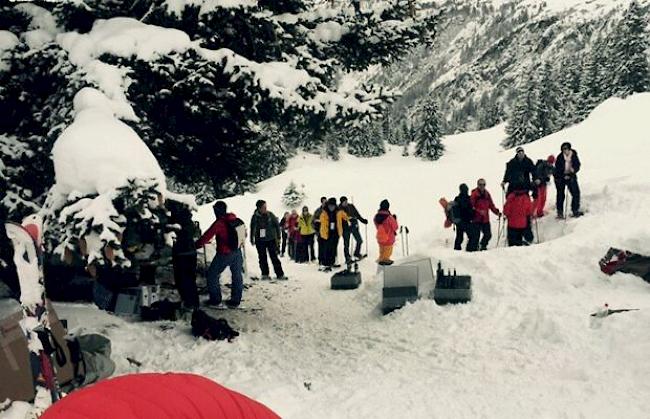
[{"x": 524, "y": 347}]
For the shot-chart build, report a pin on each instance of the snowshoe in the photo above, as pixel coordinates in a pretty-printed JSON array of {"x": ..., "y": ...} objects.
[{"x": 385, "y": 262}]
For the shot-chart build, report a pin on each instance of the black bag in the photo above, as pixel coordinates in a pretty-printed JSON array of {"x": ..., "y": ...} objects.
[
  {"x": 207, "y": 327},
  {"x": 161, "y": 310},
  {"x": 453, "y": 212},
  {"x": 236, "y": 233}
]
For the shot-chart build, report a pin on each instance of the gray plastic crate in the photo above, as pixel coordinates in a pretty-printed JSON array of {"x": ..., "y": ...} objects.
[
  {"x": 345, "y": 280},
  {"x": 400, "y": 287}
]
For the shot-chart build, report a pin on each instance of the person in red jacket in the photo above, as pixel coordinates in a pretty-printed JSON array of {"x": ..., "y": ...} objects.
[
  {"x": 225, "y": 257},
  {"x": 293, "y": 233},
  {"x": 518, "y": 209},
  {"x": 482, "y": 203},
  {"x": 387, "y": 226}
]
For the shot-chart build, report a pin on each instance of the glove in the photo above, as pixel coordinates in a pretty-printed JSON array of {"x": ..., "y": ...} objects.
[
  {"x": 503, "y": 185},
  {"x": 364, "y": 221}
]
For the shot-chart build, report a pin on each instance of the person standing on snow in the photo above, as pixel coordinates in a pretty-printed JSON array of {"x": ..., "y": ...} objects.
[
  {"x": 482, "y": 203},
  {"x": 285, "y": 234},
  {"x": 543, "y": 171},
  {"x": 331, "y": 228},
  {"x": 518, "y": 210},
  {"x": 567, "y": 166},
  {"x": 317, "y": 213},
  {"x": 351, "y": 228},
  {"x": 184, "y": 253},
  {"x": 518, "y": 172},
  {"x": 307, "y": 232},
  {"x": 265, "y": 236},
  {"x": 294, "y": 235},
  {"x": 225, "y": 257},
  {"x": 387, "y": 226},
  {"x": 465, "y": 210}
]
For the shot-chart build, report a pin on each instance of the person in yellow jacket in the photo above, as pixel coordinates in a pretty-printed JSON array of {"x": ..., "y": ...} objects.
[
  {"x": 305, "y": 251},
  {"x": 331, "y": 228}
]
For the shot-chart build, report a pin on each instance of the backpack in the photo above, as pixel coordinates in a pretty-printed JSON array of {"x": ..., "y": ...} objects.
[
  {"x": 207, "y": 327},
  {"x": 453, "y": 212},
  {"x": 236, "y": 233}
]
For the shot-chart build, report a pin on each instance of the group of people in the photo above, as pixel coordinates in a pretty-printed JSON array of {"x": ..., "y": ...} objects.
[
  {"x": 273, "y": 238},
  {"x": 522, "y": 176}
]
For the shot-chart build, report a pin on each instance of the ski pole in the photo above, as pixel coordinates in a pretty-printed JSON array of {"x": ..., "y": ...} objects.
[
  {"x": 366, "y": 233},
  {"x": 566, "y": 203},
  {"x": 499, "y": 231},
  {"x": 406, "y": 229},
  {"x": 401, "y": 236},
  {"x": 536, "y": 230}
]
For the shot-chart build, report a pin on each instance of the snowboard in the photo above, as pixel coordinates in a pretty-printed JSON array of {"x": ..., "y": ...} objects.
[{"x": 444, "y": 204}]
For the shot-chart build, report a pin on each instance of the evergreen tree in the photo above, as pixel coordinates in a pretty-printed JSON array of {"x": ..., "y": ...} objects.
[
  {"x": 293, "y": 196},
  {"x": 591, "y": 91},
  {"x": 387, "y": 130},
  {"x": 548, "y": 111},
  {"x": 631, "y": 71},
  {"x": 428, "y": 141},
  {"x": 366, "y": 141},
  {"x": 569, "y": 89},
  {"x": 521, "y": 127}
]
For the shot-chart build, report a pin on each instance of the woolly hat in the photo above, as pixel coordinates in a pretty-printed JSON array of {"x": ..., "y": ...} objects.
[
  {"x": 551, "y": 159},
  {"x": 565, "y": 144},
  {"x": 518, "y": 149},
  {"x": 260, "y": 203},
  {"x": 384, "y": 205},
  {"x": 463, "y": 188},
  {"x": 219, "y": 208},
  {"x": 331, "y": 201}
]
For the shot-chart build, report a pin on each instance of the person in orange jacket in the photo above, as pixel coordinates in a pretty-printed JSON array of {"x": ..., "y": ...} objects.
[
  {"x": 387, "y": 226},
  {"x": 518, "y": 209},
  {"x": 331, "y": 229}
]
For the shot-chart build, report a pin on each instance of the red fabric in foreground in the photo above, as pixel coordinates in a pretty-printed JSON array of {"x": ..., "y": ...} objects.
[{"x": 158, "y": 396}]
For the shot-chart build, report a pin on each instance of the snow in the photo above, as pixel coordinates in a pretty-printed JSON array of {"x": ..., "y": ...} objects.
[
  {"x": 328, "y": 32},
  {"x": 206, "y": 6},
  {"x": 98, "y": 153},
  {"x": 8, "y": 41},
  {"x": 524, "y": 347},
  {"x": 41, "y": 18}
]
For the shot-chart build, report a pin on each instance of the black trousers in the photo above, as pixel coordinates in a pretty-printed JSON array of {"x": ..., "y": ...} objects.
[
  {"x": 574, "y": 189},
  {"x": 477, "y": 229},
  {"x": 284, "y": 242},
  {"x": 516, "y": 236},
  {"x": 185, "y": 278},
  {"x": 462, "y": 229},
  {"x": 330, "y": 250},
  {"x": 305, "y": 248},
  {"x": 271, "y": 248}
]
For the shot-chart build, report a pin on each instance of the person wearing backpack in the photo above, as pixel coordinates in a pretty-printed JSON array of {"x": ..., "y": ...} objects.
[
  {"x": 265, "y": 236},
  {"x": 229, "y": 255},
  {"x": 543, "y": 171},
  {"x": 307, "y": 232},
  {"x": 387, "y": 226},
  {"x": 518, "y": 210},
  {"x": 351, "y": 228},
  {"x": 463, "y": 214},
  {"x": 482, "y": 203}
]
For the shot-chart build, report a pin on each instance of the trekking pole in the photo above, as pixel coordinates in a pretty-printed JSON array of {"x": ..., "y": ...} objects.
[
  {"x": 536, "y": 230},
  {"x": 366, "y": 226},
  {"x": 566, "y": 204},
  {"x": 401, "y": 236},
  {"x": 499, "y": 232},
  {"x": 407, "y": 239}
]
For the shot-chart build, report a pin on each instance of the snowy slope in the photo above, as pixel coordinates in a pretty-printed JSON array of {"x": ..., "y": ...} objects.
[{"x": 525, "y": 347}]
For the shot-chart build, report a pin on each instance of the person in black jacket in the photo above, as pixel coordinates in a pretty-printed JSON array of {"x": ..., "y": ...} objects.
[
  {"x": 567, "y": 166},
  {"x": 265, "y": 236},
  {"x": 184, "y": 253},
  {"x": 518, "y": 172},
  {"x": 351, "y": 227},
  {"x": 465, "y": 216}
]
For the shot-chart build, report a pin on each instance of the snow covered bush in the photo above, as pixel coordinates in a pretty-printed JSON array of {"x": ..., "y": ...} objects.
[
  {"x": 293, "y": 196},
  {"x": 108, "y": 201}
]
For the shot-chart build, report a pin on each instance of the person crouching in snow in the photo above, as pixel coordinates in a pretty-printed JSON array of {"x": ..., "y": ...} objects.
[
  {"x": 386, "y": 224},
  {"x": 518, "y": 210},
  {"x": 225, "y": 257},
  {"x": 542, "y": 175}
]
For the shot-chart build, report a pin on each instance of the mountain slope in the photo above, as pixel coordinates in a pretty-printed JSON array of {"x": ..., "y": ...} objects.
[{"x": 525, "y": 346}]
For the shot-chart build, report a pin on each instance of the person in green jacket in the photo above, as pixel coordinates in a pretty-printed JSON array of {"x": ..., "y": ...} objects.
[
  {"x": 265, "y": 236},
  {"x": 307, "y": 232}
]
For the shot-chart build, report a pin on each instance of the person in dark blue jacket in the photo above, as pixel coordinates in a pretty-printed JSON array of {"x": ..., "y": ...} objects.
[{"x": 567, "y": 166}]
